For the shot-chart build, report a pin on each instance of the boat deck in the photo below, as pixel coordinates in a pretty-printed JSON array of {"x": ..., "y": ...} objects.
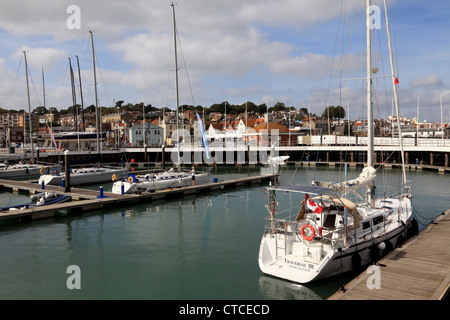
[
  {"x": 87, "y": 200},
  {"x": 419, "y": 270}
]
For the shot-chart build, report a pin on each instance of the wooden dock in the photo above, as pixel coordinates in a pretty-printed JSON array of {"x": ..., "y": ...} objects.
[
  {"x": 419, "y": 270},
  {"x": 84, "y": 200}
]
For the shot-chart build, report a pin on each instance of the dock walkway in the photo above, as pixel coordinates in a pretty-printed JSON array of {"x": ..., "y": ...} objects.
[
  {"x": 87, "y": 200},
  {"x": 419, "y": 270}
]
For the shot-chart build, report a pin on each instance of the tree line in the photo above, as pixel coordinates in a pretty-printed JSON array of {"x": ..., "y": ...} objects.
[{"x": 331, "y": 112}]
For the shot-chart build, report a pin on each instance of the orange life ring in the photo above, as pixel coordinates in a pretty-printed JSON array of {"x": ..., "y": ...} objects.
[{"x": 313, "y": 232}]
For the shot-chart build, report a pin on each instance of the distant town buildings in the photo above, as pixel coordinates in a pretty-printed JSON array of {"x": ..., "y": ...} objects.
[{"x": 127, "y": 129}]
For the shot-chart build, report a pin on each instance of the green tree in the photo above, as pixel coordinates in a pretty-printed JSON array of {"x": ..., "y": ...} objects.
[{"x": 346, "y": 127}]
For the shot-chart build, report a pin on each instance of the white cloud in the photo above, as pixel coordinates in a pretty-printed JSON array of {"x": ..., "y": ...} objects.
[
  {"x": 245, "y": 50},
  {"x": 39, "y": 57},
  {"x": 431, "y": 80}
]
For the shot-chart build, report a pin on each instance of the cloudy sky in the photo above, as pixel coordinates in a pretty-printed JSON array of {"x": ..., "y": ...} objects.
[{"x": 304, "y": 53}]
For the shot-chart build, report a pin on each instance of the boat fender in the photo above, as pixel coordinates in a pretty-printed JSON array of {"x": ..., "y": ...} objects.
[
  {"x": 27, "y": 171},
  {"x": 42, "y": 170},
  {"x": 356, "y": 262},
  {"x": 413, "y": 229},
  {"x": 388, "y": 246},
  {"x": 400, "y": 241},
  {"x": 374, "y": 253},
  {"x": 313, "y": 232},
  {"x": 114, "y": 177}
]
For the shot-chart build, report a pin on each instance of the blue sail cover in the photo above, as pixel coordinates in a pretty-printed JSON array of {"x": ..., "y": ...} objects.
[{"x": 205, "y": 141}]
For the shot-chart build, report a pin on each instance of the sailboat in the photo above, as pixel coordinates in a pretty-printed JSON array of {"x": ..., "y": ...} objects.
[
  {"x": 171, "y": 178},
  {"x": 331, "y": 234}
]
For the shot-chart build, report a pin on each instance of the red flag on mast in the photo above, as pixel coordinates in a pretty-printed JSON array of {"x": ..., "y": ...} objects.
[{"x": 396, "y": 81}]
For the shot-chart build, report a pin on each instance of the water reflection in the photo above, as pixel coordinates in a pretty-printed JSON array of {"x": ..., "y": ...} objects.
[{"x": 277, "y": 289}]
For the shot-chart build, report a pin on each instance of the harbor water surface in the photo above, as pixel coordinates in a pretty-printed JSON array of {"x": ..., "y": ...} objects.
[{"x": 196, "y": 247}]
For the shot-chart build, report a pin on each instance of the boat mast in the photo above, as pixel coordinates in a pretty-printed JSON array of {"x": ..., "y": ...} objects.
[
  {"x": 81, "y": 94},
  {"x": 74, "y": 100},
  {"x": 176, "y": 79},
  {"x": 370, "y": 148},
  {"x": 95, "y": 90},
  {"x": 394, "y": 84},
  {"x": 29, "y": 109},
  {"x": 43, "y": 86}
]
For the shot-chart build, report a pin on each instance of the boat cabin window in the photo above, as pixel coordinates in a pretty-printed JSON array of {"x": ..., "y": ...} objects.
[
  {"x": 377, "y": 220},
  {"x": 366, "y": 225}
]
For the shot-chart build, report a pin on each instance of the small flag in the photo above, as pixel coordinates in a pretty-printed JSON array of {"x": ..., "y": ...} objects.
[
  {"x": 312, "y": 205},
  {"x": 396, "y": 81}
]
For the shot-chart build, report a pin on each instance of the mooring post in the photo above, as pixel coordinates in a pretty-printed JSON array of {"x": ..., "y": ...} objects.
[
  {"x": 37, "y": 156},
  {"x": 67, "y": 170}
]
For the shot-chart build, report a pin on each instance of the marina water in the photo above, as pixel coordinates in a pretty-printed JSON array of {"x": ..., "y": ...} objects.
[{"x": 196, "y": 247}]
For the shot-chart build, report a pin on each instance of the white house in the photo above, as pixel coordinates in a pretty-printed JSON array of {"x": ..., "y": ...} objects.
[{"x": 153, "y": 135}]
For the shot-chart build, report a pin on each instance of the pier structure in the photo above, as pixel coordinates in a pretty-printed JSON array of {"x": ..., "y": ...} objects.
[
  {"x": 418, "y": 270},
  {"x": 328, "y": 151}
]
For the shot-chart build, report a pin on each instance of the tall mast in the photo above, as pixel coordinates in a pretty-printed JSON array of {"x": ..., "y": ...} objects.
[
  {"x": 74, "y": 97},
  {"x": 81, "y": 94},
  {"x": 29, "y": 109},
  {"x": 176, "y": 77},
  {"x": 43, "y": 86},
  {"x": 95, "y": 90},
  {"x": 394, "y": 84},
  {"x": 370, "y": 148}
]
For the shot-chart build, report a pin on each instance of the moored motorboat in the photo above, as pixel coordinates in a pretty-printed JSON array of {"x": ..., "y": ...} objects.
[{"x": 41, "y": 199}]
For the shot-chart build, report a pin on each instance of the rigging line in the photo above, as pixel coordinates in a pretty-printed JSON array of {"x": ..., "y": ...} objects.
[
  {"x": 34, "y": 87},
  {"x": 330, "y": 82},
  {"x": 99, "y": 68},
  {"x": 17, "y": 79},
  {"x": 63, "y": 89},
  {"x": 334, "y": 56},
  {"x": 185, "y": 67}
]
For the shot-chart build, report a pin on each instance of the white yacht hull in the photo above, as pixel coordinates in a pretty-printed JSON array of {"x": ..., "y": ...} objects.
[
  {"x": 150, "y": 185},
  {"x": 288, "y": 256},
  {"x": 31, "y": 170},
  {"x": 85, "y": 176}
]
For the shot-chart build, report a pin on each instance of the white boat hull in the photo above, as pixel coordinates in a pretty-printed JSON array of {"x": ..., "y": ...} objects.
[
  {"x": 303, "y": 269},
  {"x": 87, "y": 176},
  {"x": 32, "y": 170},
  {"x": 143, "y": 185},
  {"x": 288, "y": 256}
]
